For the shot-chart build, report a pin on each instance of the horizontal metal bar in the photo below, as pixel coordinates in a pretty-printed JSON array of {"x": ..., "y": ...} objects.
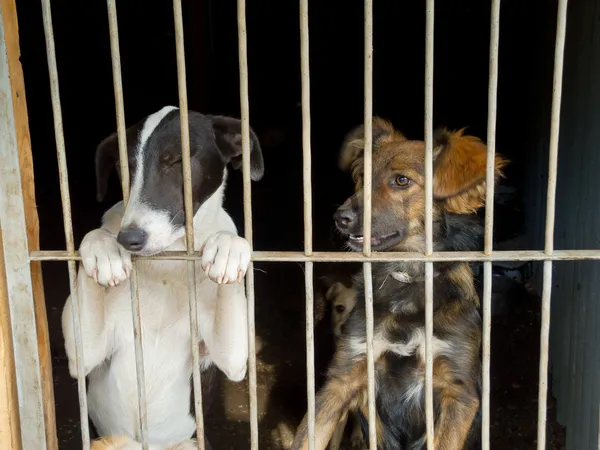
[{"x": 268, "y": 256}]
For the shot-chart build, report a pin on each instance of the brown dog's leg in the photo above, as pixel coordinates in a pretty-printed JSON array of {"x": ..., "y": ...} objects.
[
  {"x": 338, "y": 433},
  {"x": 341, "y": 392},
  {"x": 456, "y": 417}
]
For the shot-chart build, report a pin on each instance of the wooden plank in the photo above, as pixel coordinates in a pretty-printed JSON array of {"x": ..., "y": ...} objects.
[
  {"x": 10, "y": 430},
  {"x": 11, "y": 36}
]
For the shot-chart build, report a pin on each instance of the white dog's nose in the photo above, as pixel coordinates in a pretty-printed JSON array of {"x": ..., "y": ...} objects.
[{"x": 133, "y": 239}]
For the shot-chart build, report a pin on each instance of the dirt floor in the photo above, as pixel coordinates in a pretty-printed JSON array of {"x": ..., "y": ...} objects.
[{"x": 282, "y": 382}]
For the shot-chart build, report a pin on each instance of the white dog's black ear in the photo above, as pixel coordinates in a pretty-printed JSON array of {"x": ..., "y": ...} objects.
[
  {"x": 228, "y": 135},
  {"x": 107, "y": 155}
]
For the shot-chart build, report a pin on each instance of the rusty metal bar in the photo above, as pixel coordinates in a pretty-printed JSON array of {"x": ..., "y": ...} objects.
[
  {"x": 271, "y": 256},
  {"x": 189, "y": 219},
  {"x": 115, "y": 53},
  {"x": 17, "y": 268},
  {"x": 124, "y": 165},
  {"x": 310, "y": 352},
  {"x": 139, "y": 356},
  {"x": 245, "y": 119},
  {"x": 429, "y": 29},
  {"x": 489, "y": 220},
  {"x": 306, "y": 127},
  {"x": 308, "y": 231},
  {"x": 67, "y": 221},
  {"x": 367, "y": 191},
  {"x": 559, "y": 54}
]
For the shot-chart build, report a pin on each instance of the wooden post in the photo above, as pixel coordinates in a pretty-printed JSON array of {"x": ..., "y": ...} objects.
[
  {"x": 19, "y": 106},
  {"x": 10, "y": 430}
]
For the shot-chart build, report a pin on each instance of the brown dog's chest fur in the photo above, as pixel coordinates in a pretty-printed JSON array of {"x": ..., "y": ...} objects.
[{"x": 399, "y": 348}]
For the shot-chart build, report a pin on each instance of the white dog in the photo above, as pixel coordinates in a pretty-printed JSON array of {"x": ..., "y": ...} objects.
[{"x": 153, "y": 222}]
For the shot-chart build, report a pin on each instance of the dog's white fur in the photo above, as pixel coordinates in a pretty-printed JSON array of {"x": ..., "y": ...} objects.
[
  {"x": 106, "y": 314},
  {"x": 126, "y": 443}
]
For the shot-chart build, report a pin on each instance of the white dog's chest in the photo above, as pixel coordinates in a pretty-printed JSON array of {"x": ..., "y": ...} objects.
[{"x": 164, "y": 302}]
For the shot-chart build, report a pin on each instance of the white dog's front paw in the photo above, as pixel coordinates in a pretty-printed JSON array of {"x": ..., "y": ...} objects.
[
  {"x": 104, "y": 259},
  {"x": 225, "y": 257}
]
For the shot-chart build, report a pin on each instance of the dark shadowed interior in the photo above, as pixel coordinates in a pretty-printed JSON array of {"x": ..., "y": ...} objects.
[{"x": 336, "y": 59}]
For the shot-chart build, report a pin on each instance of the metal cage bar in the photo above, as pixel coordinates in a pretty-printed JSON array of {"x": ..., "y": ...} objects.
[
  {"x": 21, "y": 298},
  {"x": 559, "y": 55},
  {"x": 308, "y": 239},
  {"x": 245, "y": 119},
  {"x": 115, "y": 54},
  {"x": 67, "y": 219},
  {"x": 489, "y": 221},
  {"x": 429, "y": 45},
  {"x": 367, "y": 191},
  {"x": 17, "y": 269},
  {"x": 124, "y": 166},
  {"x": 189, "y": 219},
  {"x": 275, "y": 256}
]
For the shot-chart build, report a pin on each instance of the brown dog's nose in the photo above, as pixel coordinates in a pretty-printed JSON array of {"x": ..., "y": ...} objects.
[{"x": 344, "y": 217}]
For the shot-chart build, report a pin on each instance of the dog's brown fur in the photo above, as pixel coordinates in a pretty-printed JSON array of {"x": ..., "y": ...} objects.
[{"x": 399, "y": 348}]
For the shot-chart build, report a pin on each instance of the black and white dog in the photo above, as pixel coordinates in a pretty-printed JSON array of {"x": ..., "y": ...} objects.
[{"x": 153, "y": 222}]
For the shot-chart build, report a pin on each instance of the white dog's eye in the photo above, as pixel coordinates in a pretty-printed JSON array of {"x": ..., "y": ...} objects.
[
  {"x": 340, "y": 308},
  {"x": 169, "y": 160}
]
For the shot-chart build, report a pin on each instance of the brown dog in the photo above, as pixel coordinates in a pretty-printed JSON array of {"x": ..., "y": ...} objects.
[
  {"x": 399, "y": 302},
  {"x": 343, "y": 301}
]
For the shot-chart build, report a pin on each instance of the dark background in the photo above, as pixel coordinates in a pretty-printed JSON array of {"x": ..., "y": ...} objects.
[{"x": 336, "y": 60}]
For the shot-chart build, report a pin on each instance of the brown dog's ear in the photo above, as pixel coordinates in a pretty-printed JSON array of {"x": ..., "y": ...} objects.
[
  {"x": 459, "y": 171},
  {"x": 107, "y": 155},
  {"x": 228, "y": 134},
  {"x": 351, "y": 154}
]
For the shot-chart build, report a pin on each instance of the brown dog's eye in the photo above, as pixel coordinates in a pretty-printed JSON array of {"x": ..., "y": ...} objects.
[
  {"x": 340, "y": 308},
  {"x": 402, "y": 181}
]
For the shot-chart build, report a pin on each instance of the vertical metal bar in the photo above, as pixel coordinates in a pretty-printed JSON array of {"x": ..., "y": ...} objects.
[
  {"x": 559, "y": 54},
  {"x": 139, "y": 357},
  {"x": 489, "y": 219},
  {"x": 310, "y": 353},
  {"x": 189, "y": 218},
  {"x": 68, "y": 225},
  {"x": 245, "y": 118},
  {"x": 119, "y": 104},
  {"x": 429, "y": 26},
  {"x": 306, "y": 127},
  {"x": 17, "y": 270},
  {"x": 308, "y": 240},
  {"x": 368, "y": 179},
  {"x": 124, "y": 165}
]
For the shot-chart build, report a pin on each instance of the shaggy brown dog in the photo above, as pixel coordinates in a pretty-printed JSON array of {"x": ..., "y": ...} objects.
[{"x": 398, "y": 204}]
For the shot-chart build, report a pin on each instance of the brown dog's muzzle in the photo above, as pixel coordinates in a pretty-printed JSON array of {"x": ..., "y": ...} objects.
[{"x": 345, "y": 217}]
